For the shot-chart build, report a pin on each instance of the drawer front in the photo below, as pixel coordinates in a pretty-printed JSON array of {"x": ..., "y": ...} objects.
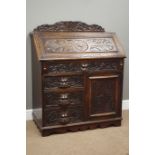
[
  {"x": 83, "y": 65},
  {"x": 60, "y": 67},
  {"x": 96, "y": 66},
  {"x": 57, "y": 116},
  {"x": 63, "y": 99},
  {"x": 63, "y": 82}
]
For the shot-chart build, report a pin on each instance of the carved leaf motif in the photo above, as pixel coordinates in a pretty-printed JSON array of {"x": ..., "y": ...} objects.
[
  {"x": 70, "y": 26},
  {"x": 76, "y": 67},
  {"x": 59, "y": 116},
  {"x": 73, "y": 98},
  {"x": 76, "y": 114},
  {"x": 80, "y": 45},
  {"x": 74, "y": 81},
  {"x": 69, "y": 67},
  {"x": 52, "y": 117},
  {"x": 101, "y": 66}
]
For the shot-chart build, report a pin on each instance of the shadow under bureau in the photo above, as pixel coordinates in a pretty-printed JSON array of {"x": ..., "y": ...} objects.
[{"x": 77, "y": 77}]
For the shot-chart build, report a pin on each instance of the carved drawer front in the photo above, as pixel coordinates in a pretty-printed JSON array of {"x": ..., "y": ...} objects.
[
  {"x": 63, "y": 82},
  {"x": 58, "y": 116},
  {"x": 103, "y": 65},
  {"x": 95, "y": 66},
  {"x": 83, "y": 65},
  {"x": 61, "y": 67},
  {"x": 63, "y": 99}
]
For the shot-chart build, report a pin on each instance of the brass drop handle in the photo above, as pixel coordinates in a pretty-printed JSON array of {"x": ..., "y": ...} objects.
[
  {"x": 64, "y": 82},
  {"x": 44, "y": 68},
  {"x": 64, "y": 101},
  {"x": 84, "y": 66},
  {"x": 64, "y": 96},
  {"x": 64, "y": 118}
]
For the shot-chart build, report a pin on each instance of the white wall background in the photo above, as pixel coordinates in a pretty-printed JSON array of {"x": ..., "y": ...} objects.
[{"x": 113, "y": 15}]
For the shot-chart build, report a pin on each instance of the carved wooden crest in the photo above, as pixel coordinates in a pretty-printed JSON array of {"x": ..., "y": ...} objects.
[{"x": 70, "y": 26}]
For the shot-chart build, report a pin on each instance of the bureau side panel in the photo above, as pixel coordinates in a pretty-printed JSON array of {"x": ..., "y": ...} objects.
[{"x": 37, "y": 86}]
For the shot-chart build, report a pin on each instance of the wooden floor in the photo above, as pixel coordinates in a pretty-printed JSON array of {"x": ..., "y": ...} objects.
[{"x": 107, "y": 141}]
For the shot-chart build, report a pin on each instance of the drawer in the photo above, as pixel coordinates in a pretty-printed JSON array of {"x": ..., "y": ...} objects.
[
  {"x": 83, "y": 65},
  {"x": 57, "y": 116},
  {"x": 63, "y": 82},
  {"x": 63, "y": 99},
  {"x": 106, "y": 65},
  {"x": 61, "y": 67}
]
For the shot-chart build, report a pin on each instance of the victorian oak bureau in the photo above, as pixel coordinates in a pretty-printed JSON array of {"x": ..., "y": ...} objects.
[{"x": 77, "y": 77}]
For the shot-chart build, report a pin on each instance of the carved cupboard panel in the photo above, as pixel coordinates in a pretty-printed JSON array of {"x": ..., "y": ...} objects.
[{"x": 103, "y": 92}]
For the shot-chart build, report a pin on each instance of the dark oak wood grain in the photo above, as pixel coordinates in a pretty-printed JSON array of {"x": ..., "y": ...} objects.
[{"x": 77, "y": 77}]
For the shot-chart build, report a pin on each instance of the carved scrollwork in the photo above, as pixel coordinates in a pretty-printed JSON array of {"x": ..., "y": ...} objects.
[
  {"x": 63, "y": 82},
  {"x": 61, "y": 116},
  {"x": 64, "y": 120},
  {"x": 54, "y": 99},
  {"x": 70, "y": 26},
  {"x": 101, "y": 66},
  {"x": 80, "y": 45},
  {"x": 76, "y": 114},
  {"x": 52, "y": 117},
  {"x": 90, "y": 66},
  {"x": 68, "y": 67}
]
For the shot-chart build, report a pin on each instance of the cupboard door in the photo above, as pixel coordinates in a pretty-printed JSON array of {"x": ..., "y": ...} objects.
[{"x": 103, "y": 95}]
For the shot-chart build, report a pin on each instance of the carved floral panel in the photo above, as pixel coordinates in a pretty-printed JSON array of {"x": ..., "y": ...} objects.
[
  {"x": 79, "y": 45},
  {"x": 72, "y": 115},
  {"x": 78, "y": 67},
  {"x": 52, "y": 82},
  {"x": 54, "y": 99}
]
